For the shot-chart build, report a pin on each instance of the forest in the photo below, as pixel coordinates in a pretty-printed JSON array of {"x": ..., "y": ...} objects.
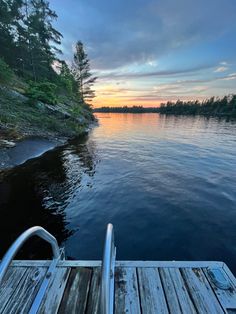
[
  {"x": 214, "y": 106},
  {"x": 30, "y": 48},
  {"x": 126, "y": 109},
  {"x": 31, "y": 66}
]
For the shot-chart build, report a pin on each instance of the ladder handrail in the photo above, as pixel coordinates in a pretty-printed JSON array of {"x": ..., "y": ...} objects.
[
  {"x": 107, "y": 278},
  {"x": 14, "y": 248}
]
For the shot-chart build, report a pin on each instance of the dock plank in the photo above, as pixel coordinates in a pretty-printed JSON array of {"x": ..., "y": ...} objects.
[
  {"x": 152, "y": 296},
  {"x": 94, "y": 292},
  {"x": 202, "y": 295},
  {"x": 226, "y": 297},
  {"x": 76, "y": 292},
  {"x": 25, "y": 292},
  {"x": 51, "y": 301},
  {"x": 9, "y": 284},
  {"x": 145, "y": 288},
  {"x": 183, "y": 296},
  {"x": 170, "y": 293},
  {"x": 126, "y": 291}
]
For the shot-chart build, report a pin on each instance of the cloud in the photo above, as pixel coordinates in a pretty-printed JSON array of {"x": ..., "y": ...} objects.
[
  {"x": 161, "y": 98},
  {"x": 179, "y": 89},
  {"x": 224, "y": 63},
  {"x": 153, "y": 49},
  {"x": 230, "y": 77},
  {"x": 164, "y": 73},
  {"x": 221, "y": 69},
  {"x": 122, "y": 32}
]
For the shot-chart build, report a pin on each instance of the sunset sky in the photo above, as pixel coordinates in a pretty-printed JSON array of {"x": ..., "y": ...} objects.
[{"x": 149, "y": 51}]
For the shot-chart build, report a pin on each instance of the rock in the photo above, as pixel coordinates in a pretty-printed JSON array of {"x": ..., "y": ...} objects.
[
  {"x": 14, "y": 93},
  {"x": 6, "y": 144},
  {"x": 59, "y": 110},
  {"x": 81, "y": 120},
  {"x": 40, "y": 105}
]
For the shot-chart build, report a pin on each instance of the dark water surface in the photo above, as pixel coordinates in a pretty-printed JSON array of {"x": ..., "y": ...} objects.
[
  {"x": 24, "y": 150},
  {"x": 168, "y": 184}
]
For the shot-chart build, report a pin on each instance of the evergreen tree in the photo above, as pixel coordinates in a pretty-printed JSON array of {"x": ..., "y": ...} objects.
[
  {"x": 29, "y": 45},
  {"x": 28, "y": 40},
  {"x": 67, "y": 78},
  {"x": 42, "y": 38},
  {"x": 82, "y": 74},
  {"x": 9, "y": 20}
]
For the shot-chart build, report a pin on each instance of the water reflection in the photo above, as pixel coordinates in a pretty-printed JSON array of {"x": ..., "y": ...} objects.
[
  {"x": 167, "y": 183},
  {"x": 37, "y": 193}
]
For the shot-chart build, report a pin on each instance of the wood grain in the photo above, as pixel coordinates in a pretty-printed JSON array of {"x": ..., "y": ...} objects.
[
  {"x": 51, "y": 301},
  {"x": 152, "y": 296},
  {"x": 76, "y": 292},
  {"x": 26, "y": 290},
  {"x": 126, "y": 291},
  {"x": 202, "y": 295}
]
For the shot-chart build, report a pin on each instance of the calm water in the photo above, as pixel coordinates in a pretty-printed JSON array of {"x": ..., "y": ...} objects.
[{"x": 168, "y": 184}]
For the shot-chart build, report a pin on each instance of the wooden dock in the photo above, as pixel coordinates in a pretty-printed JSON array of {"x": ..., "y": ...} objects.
[{"x": 140, "y": 287}]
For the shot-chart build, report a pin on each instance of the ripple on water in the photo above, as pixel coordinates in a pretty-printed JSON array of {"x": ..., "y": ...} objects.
[{"x": 168, "y": 184}]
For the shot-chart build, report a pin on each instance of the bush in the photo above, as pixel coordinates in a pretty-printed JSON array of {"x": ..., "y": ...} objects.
[
  {"x": 67, "y": 85},
  {"x": 43, "y": 91},
  {"x": 6, "y": 73}
]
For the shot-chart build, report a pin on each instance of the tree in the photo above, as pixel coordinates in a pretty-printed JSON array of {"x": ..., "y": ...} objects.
[
  {"x": 82, "y": 74},
  {"x": 9, "y": 19},
  {"x": 67, "y": 78},
  {"x": 29, "y": 46},
  {"x": 6, "y": 73},
  {"x": 42, "y": 37},
  {"x": 28, "y": 41}
]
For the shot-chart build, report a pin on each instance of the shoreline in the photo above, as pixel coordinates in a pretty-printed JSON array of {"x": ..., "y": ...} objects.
[
  {"x": 19, "y": 151},
  {"x": 223, "y": 115},
  {"x": 27, "y": 131},
  {"x": 24, "y": 150}
]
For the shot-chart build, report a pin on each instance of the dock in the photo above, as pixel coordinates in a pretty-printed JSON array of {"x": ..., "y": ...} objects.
[{"x": 131, "y": 286}]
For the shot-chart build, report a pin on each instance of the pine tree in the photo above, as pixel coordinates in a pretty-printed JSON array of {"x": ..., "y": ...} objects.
[
  {"x": 67, "y": 78},
  {"x": 82, "y": 74},
  {"x": 28, "y": 40},
  {"x": 41, "y": 37},
  {"x": 9, "y": 19}
]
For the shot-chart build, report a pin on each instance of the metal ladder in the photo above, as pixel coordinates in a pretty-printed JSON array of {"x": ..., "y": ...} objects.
[
  {"x": 108, "y": 266},
  {"x": 108, "y": 273}
]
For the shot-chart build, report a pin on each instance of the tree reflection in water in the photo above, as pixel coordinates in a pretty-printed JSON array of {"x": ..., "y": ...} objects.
[{"x": 38, "y": 192}]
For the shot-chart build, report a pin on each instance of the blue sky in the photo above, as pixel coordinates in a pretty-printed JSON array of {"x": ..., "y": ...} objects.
[{"x": 145, "y": 52}]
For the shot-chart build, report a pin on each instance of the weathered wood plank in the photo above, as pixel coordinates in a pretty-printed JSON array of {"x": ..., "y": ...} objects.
[
  {"x": 136, "y": 291},
  {"x": 25, "y": 292},
  {"x": 168, "y": 264},
  {"x": 94, "y": 292},
  {"x": 201, "y": 293},
  {"x": 54, "y": 293},
  {"x": 169, "y": 288},
  {"x": 152, "y": 296},
  {"x": 184, "y": 299},
  {"x": 9, "y": 284},
  {"x": 126, "y": 291},
  {"x": 76, "y": 293},
  {"x": 229, "y": 274},
  {"x": 227, "y": 298}
]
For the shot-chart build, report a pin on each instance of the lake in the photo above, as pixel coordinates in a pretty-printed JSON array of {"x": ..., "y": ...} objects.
[{"x": 167, "y": 183}]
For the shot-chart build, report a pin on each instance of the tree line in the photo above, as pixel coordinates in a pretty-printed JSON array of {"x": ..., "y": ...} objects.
[
  {"x": 213, "y": 106},
  {"x": 30, "y": 48},
  {"x": 126, "y": 109}
]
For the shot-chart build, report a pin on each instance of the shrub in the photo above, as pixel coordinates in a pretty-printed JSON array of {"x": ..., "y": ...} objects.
[
  {"x": 5, "y": 72},
  {"x": 43, "y": 91}
]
